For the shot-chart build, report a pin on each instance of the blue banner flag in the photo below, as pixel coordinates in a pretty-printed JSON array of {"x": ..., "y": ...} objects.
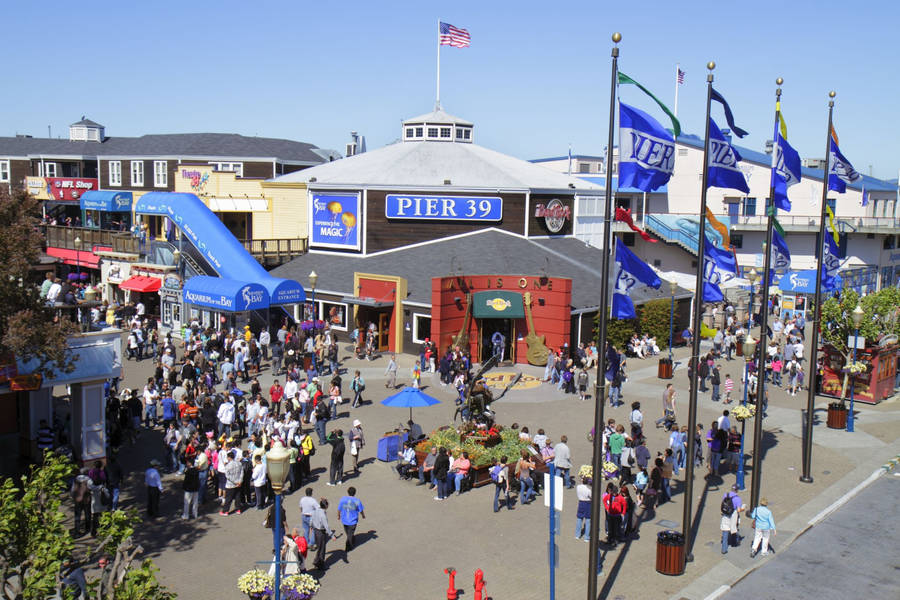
[
  {"x": 646, "y": 150},
  {"x": 831, "y": 262},
  {"x": 781, "y": 256},
  {"x": 631, "y": 273},
  {"x": 841, "y": 172},
  {"x": 718, "y": 267},
  {"x": 728, "y": 116},
  {"x": 723, "y": 160},
  {"x": 785, "y": 170}
]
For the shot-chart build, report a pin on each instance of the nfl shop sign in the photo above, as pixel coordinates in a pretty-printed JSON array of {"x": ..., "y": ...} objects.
[
  {"x": 68, "y": 188},
  {"x": 554, "y": 213}
]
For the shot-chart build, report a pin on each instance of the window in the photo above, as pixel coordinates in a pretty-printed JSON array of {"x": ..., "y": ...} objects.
[
  {"x": 749, "y": 207},
  {"x": 584, "y": 167},
  {"x": 335, "y": 313},
  {"x": 230, "y": 167},
  {"x": 831, "y": 203},
  {"x": 160, "y": 173},
  {"x": 421, "y": 328},
  {"x": 737, "y": 240},
  {"x": 657, "y": 262},
  {"x": 467, "y": 133},
  {"x": 409, "y": 132},
  {"x": 628, "y": 239},
  {"x": 682, "y": 152},
  {"x": 432, "y": 132},
  {"x": 445, "y": 132},
  {"x": 4, "y": 170},
  {"x": 459, "y": 134},
  {"x": 418, "y": 132},
  {"x": 115, "y": 172},
  {"x": 888, "y": 242},
  {"x": 49, "y": 169},
  {"x": 137, "y": 173}
]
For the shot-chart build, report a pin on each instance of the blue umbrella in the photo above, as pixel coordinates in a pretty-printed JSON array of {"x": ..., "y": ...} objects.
[{"x": 408, "y": 398}]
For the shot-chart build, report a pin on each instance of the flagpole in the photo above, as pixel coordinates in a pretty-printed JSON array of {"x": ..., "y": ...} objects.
[
  {"x": 677, "y": 68},
  {"x": 806, "y": 476},
  {"x": 756, "y": 474},
  {"x": 686, "y": 519},
  {"x": 600, "y": 383},
  {"x": 437, "y": 102}
]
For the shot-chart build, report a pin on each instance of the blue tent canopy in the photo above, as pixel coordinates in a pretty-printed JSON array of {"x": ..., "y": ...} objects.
[
  {"x": 106, "y": 201},
  {"x": 283, "y": 291},
  {"x": 226, "y": 295}
]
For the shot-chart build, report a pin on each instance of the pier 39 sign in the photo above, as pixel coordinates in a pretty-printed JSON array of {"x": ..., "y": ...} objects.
[{"x": 443, "y": 208}]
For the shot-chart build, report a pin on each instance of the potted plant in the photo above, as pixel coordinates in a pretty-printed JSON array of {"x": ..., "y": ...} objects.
[
  {"x": 300, "y": 586},
  {"x": 742, "y": 412},
  {"x": 257, "y": 584}
]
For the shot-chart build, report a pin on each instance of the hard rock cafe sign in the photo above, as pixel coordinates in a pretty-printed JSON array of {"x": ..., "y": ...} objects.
[{"x": 554, "y": 213}]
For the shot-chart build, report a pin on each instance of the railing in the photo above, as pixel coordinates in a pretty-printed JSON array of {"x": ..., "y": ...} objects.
[
  {"x": 806, "y": 220},
  {"x": 276, "y": 251},
  {"x": 691, "y": 242},
  {"x": 60, "y": 236}
]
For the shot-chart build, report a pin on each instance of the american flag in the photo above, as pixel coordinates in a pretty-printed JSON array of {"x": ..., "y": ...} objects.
[
  {"x": 454, "y": 36},
  {"x": 680, "y": 77}
]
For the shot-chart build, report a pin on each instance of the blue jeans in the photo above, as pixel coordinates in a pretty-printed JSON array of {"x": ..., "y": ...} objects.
[
  {"x": 149, "y": 415},
  {"x": 114, "y": 492},
  {"x": 457, "y": 480},
  {"x": 680, "y": 456},
  {"x": 613, "y": 396},
  {"x": 583, "y": 524},
  {"x": 726, "y": 535},
  {"x": 667, "y": 491},
  {"x": 320, "y": 430},
  {"x": 202, "y": 496},
  {"x": 526, "y": 489},
  {"x": 714, "y": 459},
  {"x": 306, "y": 530},
  {"x": 500, "y": 488},
  {"x": 715, "y": 392},
  {"x": 567, "y": 480}
]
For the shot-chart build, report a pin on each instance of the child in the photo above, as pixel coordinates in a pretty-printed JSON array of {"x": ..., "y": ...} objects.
[
  {"x": 729, "y": 385},
  {"x": 416, "y": 374}
]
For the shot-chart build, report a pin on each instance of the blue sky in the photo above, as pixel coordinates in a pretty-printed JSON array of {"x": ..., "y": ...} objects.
[{"x": 535, "y": 79}]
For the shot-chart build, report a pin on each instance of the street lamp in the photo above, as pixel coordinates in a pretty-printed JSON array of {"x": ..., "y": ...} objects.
[
  {"x": 856, "y": 316},
  {"x": 277, "y": 464},
  {"x": 313, "y": 279},
  {"x": 176, "y": 258},
  {"x": 77, "y": 244},
  {"x": 752, "y": 277},
  {"x": 749, "y": 351},
  {"x": 672, "y": 288}
]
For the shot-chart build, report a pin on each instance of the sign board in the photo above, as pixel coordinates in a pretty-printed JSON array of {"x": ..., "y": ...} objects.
[
  {"x": 334, "y": 221},
  {"x": 860, "y": 342},
  {"x": 557, "y": 492},
  {"x": 554, "y": 213},
  {"x": 443, "y": 208}
]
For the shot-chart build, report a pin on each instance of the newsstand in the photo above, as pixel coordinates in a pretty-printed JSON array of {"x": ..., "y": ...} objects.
[{"x": 669, "y": 552}]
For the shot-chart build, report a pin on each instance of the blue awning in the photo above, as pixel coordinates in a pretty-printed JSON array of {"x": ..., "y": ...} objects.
[
  {"x": 284, "y": 291},
  {"x": 804, "y": 282},
  {"x": 226, "y": 295},
  {"x": 95, "y": 362},
  {"x": 106, "y": 201}
]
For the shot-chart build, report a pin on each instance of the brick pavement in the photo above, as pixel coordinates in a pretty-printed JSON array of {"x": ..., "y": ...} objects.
[{"x": 408, "y": 539}]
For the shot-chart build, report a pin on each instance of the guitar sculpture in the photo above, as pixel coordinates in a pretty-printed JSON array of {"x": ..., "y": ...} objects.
[
  {"x": 537, "y": 352},
  {"x": 462, "y": 338}
]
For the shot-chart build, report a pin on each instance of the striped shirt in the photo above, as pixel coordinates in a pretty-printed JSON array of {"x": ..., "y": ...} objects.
[{"x": 729, "y": 384}]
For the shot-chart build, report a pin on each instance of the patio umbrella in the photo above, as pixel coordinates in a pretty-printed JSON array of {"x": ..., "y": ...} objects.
[{"x": 408, "y": 398}]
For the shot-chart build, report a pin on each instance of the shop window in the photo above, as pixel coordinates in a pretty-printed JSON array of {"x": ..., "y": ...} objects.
[
  {"x": 335, "y": 313},
  {"x": 115, "y": 172},
  {"x": 311, "y": 310},
  {"x": 421, "y": 328},
  {"x": 445, "y": 132},
  {"x": 137, "y": 173},
  {"x": 4, "y": 170},
  {"x": 160, "y": 173}
]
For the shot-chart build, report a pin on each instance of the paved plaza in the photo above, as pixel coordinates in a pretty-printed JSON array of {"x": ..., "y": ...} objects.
[{"x": 408, "y": 539}]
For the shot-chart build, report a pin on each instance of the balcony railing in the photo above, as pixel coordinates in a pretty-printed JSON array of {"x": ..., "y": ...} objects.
[
  {"x": 852, "y": 223},
  {"x": 60, "y": 236},
  {"x": 277, "y": 251}
]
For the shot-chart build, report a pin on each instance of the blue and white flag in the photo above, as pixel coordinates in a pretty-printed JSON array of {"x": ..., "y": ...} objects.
[
  {"x": 831, "y": 262},
  {"x": 718, "y": 267},
  {"x": 840, "y": 171},
  {"x": 646, "y": 150},
  {"x": 781, "y": 256},
  {"x": 785, "y": 171},
  {"x": 865, "y": 197},
  {"x": 723, "y": 160},
  {"x": 632, "y": 273}
]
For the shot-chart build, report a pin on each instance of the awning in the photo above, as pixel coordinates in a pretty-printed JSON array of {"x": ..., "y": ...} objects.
[
  {"x": 284, "y": 291},
  {"x": 106, "y": 201},
  {"x": 804, "y": 282},
  {"x": 497, "y": 304},
  {"x": 227, "y": 295},
  {"x": 238, "y": 204},
  {"x": 95, "y": 362},
  {"x": 141, "y": 283},
  {"x": 366, "y": 301},
  {"x": 77, "y": 258}
]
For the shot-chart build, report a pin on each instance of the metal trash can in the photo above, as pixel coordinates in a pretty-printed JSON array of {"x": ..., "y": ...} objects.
[
  {"x": 669, "y": 553},
  {"x": 665, "y": 369}
]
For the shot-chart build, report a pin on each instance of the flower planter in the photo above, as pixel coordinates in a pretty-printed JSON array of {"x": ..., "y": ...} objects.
[{"x": 837, "y": 416}]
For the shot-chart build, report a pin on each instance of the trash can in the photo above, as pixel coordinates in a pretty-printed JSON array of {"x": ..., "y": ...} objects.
[
  {"x": 837, "y": 416},
  {"x": 665, "y": 369},
  {"x": 669, "y": 553}
]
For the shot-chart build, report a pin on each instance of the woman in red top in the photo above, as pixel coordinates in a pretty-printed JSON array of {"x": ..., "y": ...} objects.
[
  {"x": 615, "y": 507},
  {"x": 461, "y": 468}
]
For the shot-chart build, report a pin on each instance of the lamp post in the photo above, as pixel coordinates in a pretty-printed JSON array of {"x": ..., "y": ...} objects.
[
  {"x": 672, "y": 287},
  {"x": 176, "y": 258},
  {"x": 749, "y": 350},
  {"x": 313, "y": 279},
  {"x": 277, "y": 466},
  {"x": 856, "y": 316},
  {"x": 752, "y": 277},
  {"x": 77, "y": 244}
]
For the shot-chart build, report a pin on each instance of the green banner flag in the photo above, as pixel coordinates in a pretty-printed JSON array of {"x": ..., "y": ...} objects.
[
  {"x": 676, "y": 126},
  {"x": 778, "y": 227}
]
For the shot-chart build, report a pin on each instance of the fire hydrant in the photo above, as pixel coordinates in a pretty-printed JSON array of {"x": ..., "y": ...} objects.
[
  {"x": 479, "y": 584},
  {"x": 451, "y": 586}
]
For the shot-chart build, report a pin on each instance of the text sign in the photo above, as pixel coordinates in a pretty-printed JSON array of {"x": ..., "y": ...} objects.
[
  {"x": 443, "y": 208},
  {"x": 858, "y": 341},
  {"x": 334, "y": 221}
]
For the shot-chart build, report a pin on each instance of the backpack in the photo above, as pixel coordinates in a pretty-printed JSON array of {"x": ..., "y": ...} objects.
[
  {"x": 322, "y": 411},
  {"x": 727, "y": 506},
  {"x": 495, "y": 473}
]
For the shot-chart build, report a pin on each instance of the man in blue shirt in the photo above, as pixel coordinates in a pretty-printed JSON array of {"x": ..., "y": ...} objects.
[{"x": 350, "y": 508}]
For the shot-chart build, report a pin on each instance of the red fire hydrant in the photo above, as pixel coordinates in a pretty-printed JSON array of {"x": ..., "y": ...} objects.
[
  {"x": 479, "y": 584},
  {"x": 451, "y": 587}
]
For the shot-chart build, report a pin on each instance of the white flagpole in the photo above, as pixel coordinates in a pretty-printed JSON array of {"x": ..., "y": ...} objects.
[
  {"x": 677, "y": 68},
  {"x": 570, "y": 159},
  {"x": 437, "y": 102}
]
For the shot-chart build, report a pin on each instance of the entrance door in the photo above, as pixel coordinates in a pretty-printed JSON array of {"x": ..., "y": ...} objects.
[
  {"x": 488, "y": 328},
  {"x": 384, "y": 324}
]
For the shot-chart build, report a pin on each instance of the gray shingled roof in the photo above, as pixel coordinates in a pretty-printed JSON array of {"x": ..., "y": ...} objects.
[
  {"x": 487, "y": 252},
  {"x": 200, "y": 145},
  {"x": 86, "y": 123}
]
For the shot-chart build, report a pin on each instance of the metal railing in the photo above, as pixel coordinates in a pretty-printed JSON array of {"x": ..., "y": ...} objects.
[
  {"x": 801, "y": 220},
  {"x": 689, "y": 241},
  {"x": 276, "y": 251},
  {"x": 60, "y": 236}
]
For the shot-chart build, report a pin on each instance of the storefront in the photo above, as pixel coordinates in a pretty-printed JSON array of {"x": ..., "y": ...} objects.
[
  {"x": 106, "y": 209},
  {"x": 798, "y": 291},
  {"x": 871, "y": 387},
  {"x": 215, "y": 301}
]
